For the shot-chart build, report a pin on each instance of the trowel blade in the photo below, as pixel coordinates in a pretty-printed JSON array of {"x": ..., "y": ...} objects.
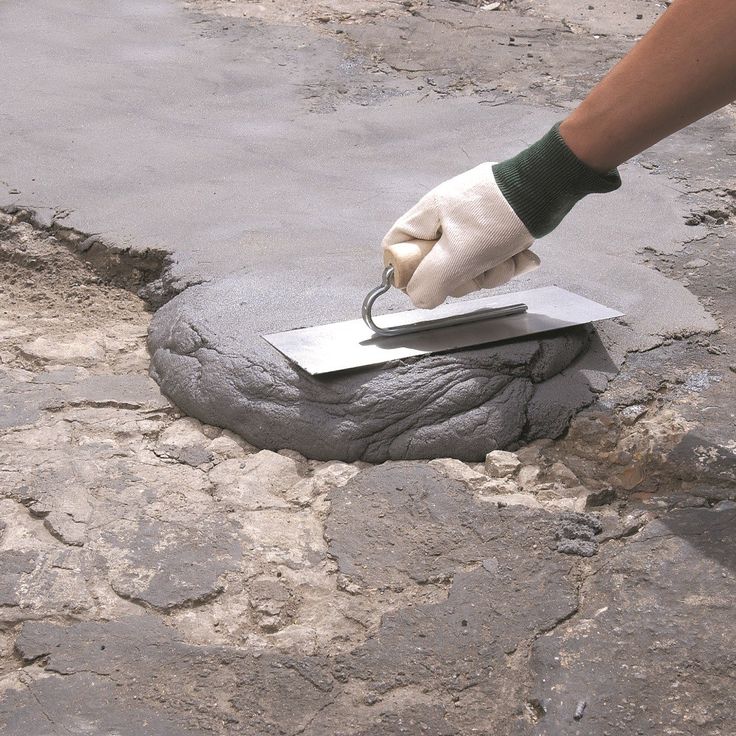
[{"x": 343, "y": 346}]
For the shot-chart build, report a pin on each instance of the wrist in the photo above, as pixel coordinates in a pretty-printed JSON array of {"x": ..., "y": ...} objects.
[
  {"x": 575, "y": 130},
  {"x": 544, "y": 182}
]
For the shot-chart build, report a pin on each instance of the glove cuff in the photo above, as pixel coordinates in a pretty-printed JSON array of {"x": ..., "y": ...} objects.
[{"x": 545, "y": 181}]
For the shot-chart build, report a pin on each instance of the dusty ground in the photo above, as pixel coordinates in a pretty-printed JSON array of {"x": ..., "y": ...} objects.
[{"x": 160, "y": 576}]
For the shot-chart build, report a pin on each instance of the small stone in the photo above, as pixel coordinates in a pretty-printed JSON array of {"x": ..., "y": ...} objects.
[
  {"x": 332, "y": 474},
  {"x": 194, "y": 456},
  {"x": 725, "y": 505},
  {"x": 732, "y": 368},
  {"x": 630, "y": 478},
  {"x": 633, "y": 413},
  {"x": 458, "y": 470},
  {"x": 186, "y": 441},
  {"x": 528, "y": 475},
  {"x": 696, "y": 263},
  {"x": 227, "y": 447},
  {"x": 501, "y": 464},
  {"x": 559, "y": 472},
  {"x": 490, "y": 6}
]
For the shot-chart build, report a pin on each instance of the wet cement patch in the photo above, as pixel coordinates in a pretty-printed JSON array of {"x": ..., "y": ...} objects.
[{"x": 462, "y": 404}]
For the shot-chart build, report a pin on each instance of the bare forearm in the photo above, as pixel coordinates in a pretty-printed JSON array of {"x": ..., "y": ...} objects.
[{"x": 683, "y": 69}]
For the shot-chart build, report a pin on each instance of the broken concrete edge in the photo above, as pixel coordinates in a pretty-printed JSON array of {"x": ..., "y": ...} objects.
[{"x": 145, "y": 272}]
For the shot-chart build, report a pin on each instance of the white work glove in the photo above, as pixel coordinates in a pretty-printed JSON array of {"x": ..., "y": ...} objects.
[
  {"x": 480, "y": 242},
  {"x": 482, "y": 222}
]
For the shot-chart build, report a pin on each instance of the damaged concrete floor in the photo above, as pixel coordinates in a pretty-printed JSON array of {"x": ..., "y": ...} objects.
[{"x": 160, "y": 576}]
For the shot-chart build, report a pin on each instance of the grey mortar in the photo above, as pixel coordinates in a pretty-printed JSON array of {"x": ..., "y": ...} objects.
[
  {"x": 171, "y": 139},
  {"x": 462, "y": 404}
]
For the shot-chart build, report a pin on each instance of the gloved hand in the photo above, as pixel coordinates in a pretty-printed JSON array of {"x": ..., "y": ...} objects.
[{"x": 483, "y": 221}]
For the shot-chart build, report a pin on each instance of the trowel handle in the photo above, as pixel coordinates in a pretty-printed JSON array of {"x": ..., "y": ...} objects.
[{"x": 405, "y": 258}]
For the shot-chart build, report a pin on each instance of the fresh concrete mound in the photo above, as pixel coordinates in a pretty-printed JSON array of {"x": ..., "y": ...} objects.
[{"x": 209, "y": 358}]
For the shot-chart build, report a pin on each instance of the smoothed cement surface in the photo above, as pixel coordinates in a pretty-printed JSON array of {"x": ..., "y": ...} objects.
[{"x": 225, "y": 145}]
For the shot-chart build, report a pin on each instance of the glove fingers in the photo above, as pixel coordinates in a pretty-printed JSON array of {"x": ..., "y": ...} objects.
[
  {"x": 421, "y": 222},
  {"x": 433, "y": 280},
  {"x": 502, "y": 273},
  {"x": 515, "y": 266},
  {"x": 467, "y": 288}
]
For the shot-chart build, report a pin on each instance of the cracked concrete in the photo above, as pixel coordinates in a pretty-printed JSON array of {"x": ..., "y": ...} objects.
[
  {"x": 160, "y": 571},
  {"x": 156, "y": 570},
  {"x": 670, "y": 590}
]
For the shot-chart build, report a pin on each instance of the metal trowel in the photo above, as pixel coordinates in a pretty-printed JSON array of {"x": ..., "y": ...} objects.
[{"x": 364, "y": 342}]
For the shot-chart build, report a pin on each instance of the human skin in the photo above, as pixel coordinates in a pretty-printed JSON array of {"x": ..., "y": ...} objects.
[{"x": 683, "y": 69}]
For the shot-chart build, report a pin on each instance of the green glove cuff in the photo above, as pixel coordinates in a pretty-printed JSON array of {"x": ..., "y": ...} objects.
[{"x": 545, "y": 181}]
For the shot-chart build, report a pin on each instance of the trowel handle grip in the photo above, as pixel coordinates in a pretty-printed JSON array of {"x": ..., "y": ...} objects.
[{"x": 405, "y": 257}]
